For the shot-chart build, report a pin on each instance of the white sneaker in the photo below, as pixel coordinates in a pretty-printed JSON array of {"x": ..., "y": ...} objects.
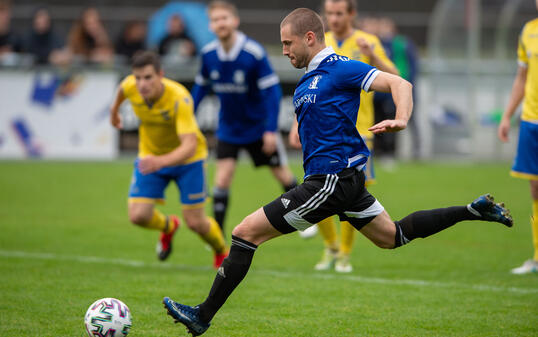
[
  {"x": 529, "y": 266},
  {"x": 327, "y": 260},
  {"x": 343, "y": 265},
  {"x": 310, "y": 232}
]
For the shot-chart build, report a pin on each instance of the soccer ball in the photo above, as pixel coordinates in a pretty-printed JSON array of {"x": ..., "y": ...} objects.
[{"x": 108, "y": 317}]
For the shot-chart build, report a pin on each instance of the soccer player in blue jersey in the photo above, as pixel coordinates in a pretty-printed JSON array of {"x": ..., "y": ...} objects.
[
  {"x": 326, "y": 102},
  {"x": 237, "y": 70}
]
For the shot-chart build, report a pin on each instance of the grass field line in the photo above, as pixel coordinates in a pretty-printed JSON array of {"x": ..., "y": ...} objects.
[{"x": 274, "y": 273}]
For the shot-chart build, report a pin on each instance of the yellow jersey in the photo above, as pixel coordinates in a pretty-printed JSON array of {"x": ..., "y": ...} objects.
[
  {"x": 527, "y": 55},
  {"x": 161, "y": 122},
  {"x": 349, "y": 48}
]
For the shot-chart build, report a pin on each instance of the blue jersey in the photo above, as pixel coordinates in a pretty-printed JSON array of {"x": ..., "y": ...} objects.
[
  {"x": 326, "y": 101},
  {"x": 248, "y": 89}
]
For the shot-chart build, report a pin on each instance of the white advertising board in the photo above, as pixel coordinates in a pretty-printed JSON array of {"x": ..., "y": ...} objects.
[{"x": 56, "y": 115}]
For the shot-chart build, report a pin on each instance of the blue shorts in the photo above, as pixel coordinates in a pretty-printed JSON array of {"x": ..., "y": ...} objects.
[
  {"x": 189, "y": 178},
  {"x": 526, "y": 161}
]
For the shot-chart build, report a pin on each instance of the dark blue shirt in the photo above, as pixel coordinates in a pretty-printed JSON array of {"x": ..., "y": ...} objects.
[
  {"x": 248, "y": 89},
  {"x": 326, "y": 101}
]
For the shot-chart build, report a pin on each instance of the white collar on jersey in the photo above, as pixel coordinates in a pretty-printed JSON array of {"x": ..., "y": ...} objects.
[
  {"x": 316, "y": 60},
  {"x": 236, "y": 48}
]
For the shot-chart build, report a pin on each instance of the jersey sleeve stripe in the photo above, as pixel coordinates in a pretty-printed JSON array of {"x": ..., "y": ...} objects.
[
  {"x": 209, "y": 47},
  {"x": 254, "y": 49},
  {"x": 370, "y": 77},
  {"x": 354, "y": 159},
  {"x": 522, "y": 64},
  {"x": 268, "y": 81},
  {"x": 200, "y": 80},
  {"x": 365, "y": 79}
]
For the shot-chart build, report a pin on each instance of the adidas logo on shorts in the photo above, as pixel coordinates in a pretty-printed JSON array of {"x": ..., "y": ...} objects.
[{"x": 285, "y": 202}]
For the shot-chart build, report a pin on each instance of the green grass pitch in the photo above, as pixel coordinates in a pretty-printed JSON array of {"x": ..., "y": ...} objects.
[{"x": 65, "y": 241}]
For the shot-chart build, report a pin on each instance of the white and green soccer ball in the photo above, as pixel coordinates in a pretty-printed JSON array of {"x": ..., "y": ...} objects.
[{"x": 107, "y": 317}]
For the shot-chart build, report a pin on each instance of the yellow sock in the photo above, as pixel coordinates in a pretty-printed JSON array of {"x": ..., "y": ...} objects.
[
  {"x": 158, "y": 221},
  {"x": 214, "y": 237},
  {"x": 534, "y": 221},
  {"x": 347, "y": 232},
  {"x": 327, "y": 228}
]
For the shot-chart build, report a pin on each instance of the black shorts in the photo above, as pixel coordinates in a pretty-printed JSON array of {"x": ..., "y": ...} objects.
[
  {"x": 321, "y": 196},
  {"x": 254, "y": 149}
]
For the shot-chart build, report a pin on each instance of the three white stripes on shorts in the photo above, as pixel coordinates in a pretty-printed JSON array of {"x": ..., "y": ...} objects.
[{"x": 319, "y": 197}]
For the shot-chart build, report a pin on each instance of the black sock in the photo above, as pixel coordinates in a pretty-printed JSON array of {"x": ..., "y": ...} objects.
[
  {"x": 220, "y": 205},
  {"x": 422, "y": 224},
  {"x": 291, "y": 186},
  {"x": 230, "y": 274}
]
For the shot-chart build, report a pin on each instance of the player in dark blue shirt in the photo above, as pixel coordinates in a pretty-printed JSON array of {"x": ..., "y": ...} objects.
[
  {"x": 237, "y": 70},
  {"x": 326, "y": 103}
]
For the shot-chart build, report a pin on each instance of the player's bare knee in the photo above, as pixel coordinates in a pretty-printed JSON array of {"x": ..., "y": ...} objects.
[
  {"x": 195, "y": 223},
  {"x": 223, "y": 178},
  {"x": 223, "y": 182},
  {"x": 244, "y": 229},
  {"x": 139, "y": 218},
  {"x": 195, "y": 226},
  {"x": 139, "y": 214},
  {"x": 240, "y": 231}
]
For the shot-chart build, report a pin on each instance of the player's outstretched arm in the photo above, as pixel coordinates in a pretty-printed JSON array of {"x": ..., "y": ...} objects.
[
  {"x": 402, "y": 96},
  {"x": 516, "y": 96},
  {"x": 184, "y": 151},
  {"x": 115, "y": 118}
]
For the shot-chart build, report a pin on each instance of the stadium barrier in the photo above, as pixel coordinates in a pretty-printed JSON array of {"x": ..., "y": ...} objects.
[
  {"x": 55, "y": 115},
  {"x": 50, "y": 113}
]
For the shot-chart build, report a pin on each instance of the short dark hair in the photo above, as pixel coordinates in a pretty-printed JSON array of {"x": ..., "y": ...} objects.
[
  {"x": 303, "y": 20},
  {"x": 351, "y": 4},
  {"x": 223, "y": 4},
  {"x": 146, "y": 57}
]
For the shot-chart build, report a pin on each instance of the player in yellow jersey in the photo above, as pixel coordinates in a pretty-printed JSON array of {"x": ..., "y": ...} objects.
[
  {"x": 171, "y": 148},
  {"x": 526, "y": 161},
  {"x": 346, "y": 40}
]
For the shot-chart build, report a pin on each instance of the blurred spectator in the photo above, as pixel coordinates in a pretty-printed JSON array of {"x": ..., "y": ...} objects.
[
  {"x": 9, "y": 41},
  {"x": 403, "y": 52},
  {"x": 177, "y": 44},
  {"x": 132, "y": 39},
  {"x": 400, "y": 49},
  {"x": 41, "y": 41},
  {"x": 89, "y": 40},
  {"x": 369, "y": 25}
]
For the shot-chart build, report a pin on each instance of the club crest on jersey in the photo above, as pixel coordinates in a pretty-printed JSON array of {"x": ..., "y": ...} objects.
[
  {"x": 214, "y": 75},
  {"x": 239, "y": 77},
  {"x": 315, "y": 81},
  {"x": 165, "y": 114}
]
